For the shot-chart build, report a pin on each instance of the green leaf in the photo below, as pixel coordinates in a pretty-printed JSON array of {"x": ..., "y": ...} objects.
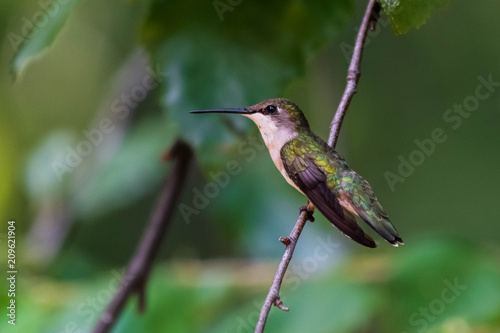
[
  {"x": 222, "y": 55},
  {"x": 44, "y": 29},
  {"x": 458, "y": 278},
  {"x": 407, "y": 14}
]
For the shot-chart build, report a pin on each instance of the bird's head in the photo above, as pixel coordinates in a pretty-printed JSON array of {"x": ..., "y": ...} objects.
[{"x": 277, "y": 114}]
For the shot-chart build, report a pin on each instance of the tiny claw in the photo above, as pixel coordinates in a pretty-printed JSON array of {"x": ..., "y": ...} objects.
[
  {"x": 279, "y": 304},
  {"x": 309, "y": 209},
  {"x": 284, "y": 240}
]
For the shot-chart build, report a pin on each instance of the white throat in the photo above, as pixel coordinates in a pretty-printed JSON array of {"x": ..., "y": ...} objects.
[{"x": 274, "y": 138}]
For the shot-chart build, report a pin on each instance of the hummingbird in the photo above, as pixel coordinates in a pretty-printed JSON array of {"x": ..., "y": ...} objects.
[{"x": 316, "y": 170}]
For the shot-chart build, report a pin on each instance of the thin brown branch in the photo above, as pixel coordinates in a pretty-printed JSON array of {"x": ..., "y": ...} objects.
[
  {"x": 369, "y": 21},
  {"x": 273, "y": 296},
  {"x": 139, "y": 268},
  {"x": 354, "y": 73}
]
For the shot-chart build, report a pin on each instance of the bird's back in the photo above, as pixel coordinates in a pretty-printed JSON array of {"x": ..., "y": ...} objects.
[{"x": 327, "y": 180}]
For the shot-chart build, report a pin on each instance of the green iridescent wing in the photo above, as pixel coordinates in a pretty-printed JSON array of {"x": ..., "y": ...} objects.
[
  {"x": 325, "y": 178},
  {"x": 308, "y": 176},
  {"x": 365, "y": 203}
]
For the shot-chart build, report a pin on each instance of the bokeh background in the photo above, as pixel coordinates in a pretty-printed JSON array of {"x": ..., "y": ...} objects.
[{"x": 77, "y": 227}]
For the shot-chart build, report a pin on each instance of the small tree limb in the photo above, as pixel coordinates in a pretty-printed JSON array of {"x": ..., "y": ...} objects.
[
  {"x": 354, "y": 73},
  {"x": 273, "y": 296},
  {"x": 139, "y": 268},
  {"x": 369, "y": 21}
]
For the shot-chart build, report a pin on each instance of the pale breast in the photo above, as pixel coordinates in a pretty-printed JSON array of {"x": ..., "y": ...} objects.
[
  {"x": 276, "y": 157},
  {"x": 275, "y": 138}
]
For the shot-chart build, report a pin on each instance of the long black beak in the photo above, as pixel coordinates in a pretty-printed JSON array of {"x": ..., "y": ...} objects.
[{"x": 231, "y": 110}]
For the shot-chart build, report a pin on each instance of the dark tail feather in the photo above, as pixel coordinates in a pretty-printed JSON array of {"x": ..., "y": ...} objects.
[
  {"x": 348, "y": 226},
  {"x": 384, "y": 228}
]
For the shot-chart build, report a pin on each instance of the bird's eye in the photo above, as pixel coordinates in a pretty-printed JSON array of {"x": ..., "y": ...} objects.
[{"x": 271, "y": 109}]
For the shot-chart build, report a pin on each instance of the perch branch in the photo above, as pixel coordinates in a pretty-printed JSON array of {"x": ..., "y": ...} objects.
[
  {"x": 139, "y": 268},
  {"x": 369, "y": 21},
  {"x": 273, "y": 296}
]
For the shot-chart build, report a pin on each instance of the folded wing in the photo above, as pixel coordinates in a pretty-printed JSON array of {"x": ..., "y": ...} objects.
[{"x": 308, "y": 176}]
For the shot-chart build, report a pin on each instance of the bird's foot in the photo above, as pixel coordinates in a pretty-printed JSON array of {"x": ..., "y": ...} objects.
[{"x": 309, "y": 210}]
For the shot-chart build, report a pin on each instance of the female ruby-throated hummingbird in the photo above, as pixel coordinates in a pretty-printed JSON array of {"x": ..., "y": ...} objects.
[{"x": 316, "y": 170}]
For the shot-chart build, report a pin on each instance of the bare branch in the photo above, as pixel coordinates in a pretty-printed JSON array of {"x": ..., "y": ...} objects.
[
  {"x": 139, "y": 268},
  {"x": 273, "y": 296},
  {"x": 369, "y": 21},
  {"x": 353, "y": 73}
]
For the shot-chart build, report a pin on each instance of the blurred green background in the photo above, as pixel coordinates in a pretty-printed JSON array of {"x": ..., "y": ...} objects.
[{"x": 78, "y": 225}]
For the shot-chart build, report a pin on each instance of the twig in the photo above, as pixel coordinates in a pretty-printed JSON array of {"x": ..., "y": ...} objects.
[
  {"x": 139, "y": 268},
  {"x": 353, "y": 74},
  {"x": 273, "y": 296}
]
